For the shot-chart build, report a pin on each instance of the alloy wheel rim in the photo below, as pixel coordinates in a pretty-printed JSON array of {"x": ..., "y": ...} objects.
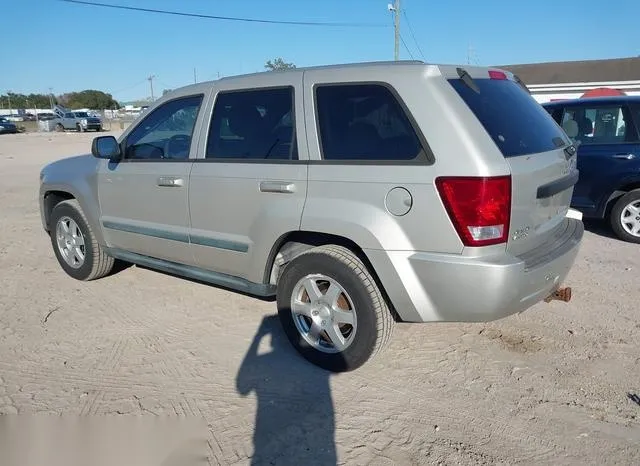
[
  {"x": 630, "y": 218},
  {"x": 324, "y": 314},
  {"x": 70, "y": 241}
]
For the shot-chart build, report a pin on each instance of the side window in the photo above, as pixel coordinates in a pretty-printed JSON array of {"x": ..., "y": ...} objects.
[
  {"x": 253, "y": 124},
  {"x": 69, "y": 115},
  {"x": 364, "y": 122},
  {"x": 166, "y": 132},
  {"x": 635, "y": 110},
  {"x": 607, "y": 124}
]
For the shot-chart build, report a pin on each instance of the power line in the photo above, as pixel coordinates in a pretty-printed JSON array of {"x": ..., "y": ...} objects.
[
  {"x": 405, "y": 46},
  {"x": 225, "y": 18},
  {"x": 129, "y": 87},
  {"x": 404, "y": 12}
]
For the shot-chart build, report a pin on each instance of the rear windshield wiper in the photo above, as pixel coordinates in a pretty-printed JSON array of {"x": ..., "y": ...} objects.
[
  {"x": 468, "y": 80},
  {"x": 519, "y": 81}
]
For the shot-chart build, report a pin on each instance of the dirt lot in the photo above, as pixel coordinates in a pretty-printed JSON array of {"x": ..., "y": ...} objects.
[{"x": 549, "y": 386}]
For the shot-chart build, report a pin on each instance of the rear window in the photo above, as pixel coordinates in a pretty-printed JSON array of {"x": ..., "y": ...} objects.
[{"x": 514, "y": 120}]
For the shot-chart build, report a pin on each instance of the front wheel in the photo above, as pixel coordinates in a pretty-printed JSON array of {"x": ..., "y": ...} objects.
[
  {"x": 625, "y": 217},
  {"x": 332, "y": 310},
  {"x": 75, "y": 245}
]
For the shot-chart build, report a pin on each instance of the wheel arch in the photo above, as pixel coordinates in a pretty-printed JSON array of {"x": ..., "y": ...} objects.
[
  {"x": 294, "y": 243},
  {"x": 56, "y": 194},
  {"x": 617, "y": 194},
  {"x": 50, "y": 200}
]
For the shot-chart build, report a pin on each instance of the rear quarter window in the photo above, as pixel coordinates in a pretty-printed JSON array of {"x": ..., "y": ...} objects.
[
  {"x": 364, "y": 122},
  {"x": 515, "y": 121}
]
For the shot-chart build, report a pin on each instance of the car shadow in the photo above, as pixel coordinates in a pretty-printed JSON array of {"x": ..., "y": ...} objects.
[
  {"x": 600, "y": 228},
  {"x": 295, "y": 415},
  {"x": 119, "y": 266}
]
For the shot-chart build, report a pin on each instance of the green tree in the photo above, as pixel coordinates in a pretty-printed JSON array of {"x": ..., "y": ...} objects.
[
  {"x": 278, "y": 64},
  {"x": 26, "y": 101},
  {"x": 89, "y": 98}
]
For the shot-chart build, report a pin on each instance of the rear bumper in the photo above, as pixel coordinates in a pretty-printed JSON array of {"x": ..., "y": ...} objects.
[{"x": 426, "y": 287}]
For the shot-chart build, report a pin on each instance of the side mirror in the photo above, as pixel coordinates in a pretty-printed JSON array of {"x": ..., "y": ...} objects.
[{"x": 106, "y": 147}]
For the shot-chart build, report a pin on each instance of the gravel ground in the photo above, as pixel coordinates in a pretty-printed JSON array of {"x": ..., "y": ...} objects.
[{"x": 550, "y": 386}]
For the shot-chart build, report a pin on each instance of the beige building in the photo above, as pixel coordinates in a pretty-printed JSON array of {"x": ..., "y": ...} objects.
[{"x": 575, "y": 79}]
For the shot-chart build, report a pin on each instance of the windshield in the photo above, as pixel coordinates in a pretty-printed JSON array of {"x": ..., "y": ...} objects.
[
  {"x": 82, "y": 114},
  {"x": 514, "y": 120}
]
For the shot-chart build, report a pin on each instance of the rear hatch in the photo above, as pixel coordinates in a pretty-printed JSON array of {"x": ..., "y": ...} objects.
[{"x": 541, "y": 157}]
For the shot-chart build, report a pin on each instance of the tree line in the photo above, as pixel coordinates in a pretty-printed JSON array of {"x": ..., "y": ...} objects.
[{"x": 89, "y": 98}]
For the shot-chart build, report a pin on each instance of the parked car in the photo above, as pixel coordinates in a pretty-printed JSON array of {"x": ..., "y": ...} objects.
[
  {"x": 14, "y": 117},
  {"x": 7, "y": 126},
  {"x": 80, "y": 121},
  {"x": 356, "y": 195},
  {"x": 45, "y": 116},
  {"x": 606, "y": 131}
]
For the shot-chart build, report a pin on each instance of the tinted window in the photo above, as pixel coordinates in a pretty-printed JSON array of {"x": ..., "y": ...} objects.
[
  {"x": 605, "y": 124},
  {"x": 364, "y": 122},
  {"x": 166, "y": 132},
  {"x": 514, "y": 120},
  {"x": 253, "y": 124}
]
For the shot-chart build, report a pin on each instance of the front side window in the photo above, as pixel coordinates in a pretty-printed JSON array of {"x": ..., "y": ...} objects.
[
  {"x": 166, "y": 132},
  {"x": 253, "y": 124},
  {"x": 607, "y": 124},
  {"x": 364, "y": 122}
]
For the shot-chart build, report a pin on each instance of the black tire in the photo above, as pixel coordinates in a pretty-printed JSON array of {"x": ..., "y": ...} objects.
[
  {"x": 616, "y": 213},
  {"x": 96, "y": 263},
  {"x": 59, "y": 128},
  {"x": 374, "y": 320}
]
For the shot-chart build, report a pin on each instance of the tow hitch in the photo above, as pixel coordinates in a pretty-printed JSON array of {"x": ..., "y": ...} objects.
[{"x": 561, "y": 294}]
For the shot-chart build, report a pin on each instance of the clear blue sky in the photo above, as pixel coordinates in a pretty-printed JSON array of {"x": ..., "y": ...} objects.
[{"x": 69, "y": 47}]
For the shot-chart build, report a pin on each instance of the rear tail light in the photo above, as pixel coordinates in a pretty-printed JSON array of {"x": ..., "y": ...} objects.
[{"x": 479, "y": 207}]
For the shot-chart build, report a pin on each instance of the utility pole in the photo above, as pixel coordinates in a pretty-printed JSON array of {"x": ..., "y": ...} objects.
[
  {"x": 395, "y": 8},
  {"x": 9, "y": 99},
  {"x": 150, "y": 79},
  {"x": 195, "y": 80},
  {"x": 51, "y": 97}
]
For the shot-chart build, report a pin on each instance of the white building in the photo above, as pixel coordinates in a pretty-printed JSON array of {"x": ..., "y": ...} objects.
[{"x": 572, "y": 80}]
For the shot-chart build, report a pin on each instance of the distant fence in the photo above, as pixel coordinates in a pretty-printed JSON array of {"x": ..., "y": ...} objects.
[{"x": 111, "y": 121}]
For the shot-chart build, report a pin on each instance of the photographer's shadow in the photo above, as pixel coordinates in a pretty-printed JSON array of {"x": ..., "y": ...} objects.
[{"x": 295, "y": 417}]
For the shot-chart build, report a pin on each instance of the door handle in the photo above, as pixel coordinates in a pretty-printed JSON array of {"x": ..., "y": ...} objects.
[
  {"x": 170, "y": 181},
  {"x": 277, "y": 187},
  {"x": 625, "y": 156}
]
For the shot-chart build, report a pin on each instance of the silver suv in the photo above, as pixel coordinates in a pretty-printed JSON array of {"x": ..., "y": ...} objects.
[{"x": 356, "y": 195}]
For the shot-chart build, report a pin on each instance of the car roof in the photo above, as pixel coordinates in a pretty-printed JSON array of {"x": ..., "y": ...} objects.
[
  {"x": 358, "y": 67},
  {"x": 618, "y": 99},
  {"x": 205, "y": 85}
]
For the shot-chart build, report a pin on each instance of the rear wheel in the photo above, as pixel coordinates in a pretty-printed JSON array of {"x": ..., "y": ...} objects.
[
  {"x": 75, "y": 245},
  {"x": 59, "y": 128},
  {"x": 625, "y": 217},
  {"x": 332, "y": 310}
]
